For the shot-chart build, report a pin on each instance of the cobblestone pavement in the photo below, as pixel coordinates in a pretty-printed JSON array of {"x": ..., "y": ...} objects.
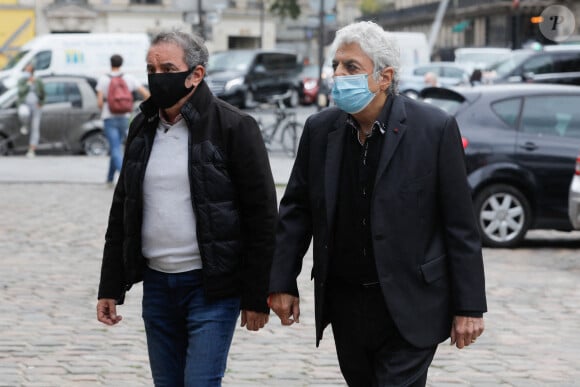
[{"x": 51, "y": 237}]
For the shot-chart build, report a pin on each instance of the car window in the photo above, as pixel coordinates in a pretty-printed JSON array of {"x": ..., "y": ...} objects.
[
  {"x": 508, "y": 110},
  {"x": 73, "y": 94},
  {"x": 230, "y": 60},
  {"x": 42, "y": 60},
  {"x": 277, "y": 62},
  {"x": 57, "y": 92},
  {"x": 451, "y": 72},
  {"x": 508, "y": 65},
  {"x": 567, "y": 62},
  {"x": 483, "y": 58},
  {"x": 552, "y": 115},
  {"x": 542, "y": 64},
  {"x": 424, "y": 70}
]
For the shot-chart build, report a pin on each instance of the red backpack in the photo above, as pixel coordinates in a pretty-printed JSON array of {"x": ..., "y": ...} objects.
[{"x": 119, "y": 97}]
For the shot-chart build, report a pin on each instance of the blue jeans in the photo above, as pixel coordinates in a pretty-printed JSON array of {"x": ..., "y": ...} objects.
[
  {"x": 188, "y": 337},
  {"x": 115, "y": 130}
]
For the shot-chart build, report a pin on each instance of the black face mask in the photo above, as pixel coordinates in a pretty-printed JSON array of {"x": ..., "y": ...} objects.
[{"x": 168, "y": 88}]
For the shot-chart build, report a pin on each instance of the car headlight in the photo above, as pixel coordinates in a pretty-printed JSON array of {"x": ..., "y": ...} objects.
[
  {"x": 310, "y": 84},
  {"x": 234, "y": 83}
]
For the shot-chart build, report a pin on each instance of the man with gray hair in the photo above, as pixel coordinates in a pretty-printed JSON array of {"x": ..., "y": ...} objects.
[
  {"x": 193, "y": 216},
  {"x": 379, "y": 184}
]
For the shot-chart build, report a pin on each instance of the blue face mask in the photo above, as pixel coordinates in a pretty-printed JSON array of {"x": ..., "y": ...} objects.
[{"x": 351, "y": 93}]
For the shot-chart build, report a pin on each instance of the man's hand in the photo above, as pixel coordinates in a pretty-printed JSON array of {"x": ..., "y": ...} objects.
[
  {"x": 465, "y": 330},
  {"x": 286, "y": 306},
  {"x": 107, "y": 311},
  {"x": 254, "y": 321}
]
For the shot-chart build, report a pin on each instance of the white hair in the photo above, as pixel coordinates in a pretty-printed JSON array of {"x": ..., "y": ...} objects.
[{"x": 379, "y": 45}]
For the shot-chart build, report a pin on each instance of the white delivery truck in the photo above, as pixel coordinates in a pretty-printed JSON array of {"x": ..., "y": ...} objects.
[
  {"x": 79, "y": 54},
  {"x": 414, "y": 49}
]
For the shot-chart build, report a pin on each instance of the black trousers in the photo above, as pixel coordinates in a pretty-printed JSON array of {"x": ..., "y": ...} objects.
[{"x": 370, "y": 350}]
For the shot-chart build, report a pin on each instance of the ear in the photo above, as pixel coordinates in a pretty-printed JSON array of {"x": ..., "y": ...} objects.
[
  {"x": 387, "y": 75},
  {"x": 196, "y": 76}
]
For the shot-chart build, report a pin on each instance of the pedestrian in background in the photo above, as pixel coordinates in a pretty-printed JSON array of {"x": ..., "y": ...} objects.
[
  {"x": 430, "y": 79},
  {"x": 193, "y": 216},
  {"x": 116, "y": 123},
  {"x": 476, "y": 77},
  {"x": 379, "y": 183},
  {"x": 31, "y": 98}
]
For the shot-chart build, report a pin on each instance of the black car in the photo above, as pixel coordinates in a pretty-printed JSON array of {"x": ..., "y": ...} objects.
[
  {"x": 247, "y": 77},
  {"x": 521, "y": 142},
  {"x": 553, "y": 64}
]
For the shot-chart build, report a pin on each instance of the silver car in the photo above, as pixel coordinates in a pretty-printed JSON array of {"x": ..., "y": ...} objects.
[
  {"x": 70, "y": 120},
  {"x": 412, "y": 80},
  {"x": 574, "y": 197}
]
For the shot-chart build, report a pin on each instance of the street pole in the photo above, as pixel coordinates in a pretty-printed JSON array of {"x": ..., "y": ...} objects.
[
  {"x": 260, "y": 43},
  {"x": 201, "y": 21},
  {"x": 436, "y": 26},
  {"x": 320, "y": 50}
]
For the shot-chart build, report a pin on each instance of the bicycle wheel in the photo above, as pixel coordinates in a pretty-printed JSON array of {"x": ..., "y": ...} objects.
[
  {"x": 289, "y": 138},
  {"x": 267, "y": 132}
]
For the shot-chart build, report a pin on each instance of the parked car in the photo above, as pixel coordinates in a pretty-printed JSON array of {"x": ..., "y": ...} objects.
[
  {"x": 482, "y": 58},
  {"x": 574, "y": 197},
  {"x": 309, "y": 78},
  {"x": 521, "y": 142},
  {"x": 246, "y": 77},
  {"x": 552, "y": 64},
  {"x": 70, "y": 119},
  {"x": 412, "y": 80}
]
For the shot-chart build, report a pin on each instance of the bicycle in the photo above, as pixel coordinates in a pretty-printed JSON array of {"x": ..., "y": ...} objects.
[{"x": 285, "y": 126}]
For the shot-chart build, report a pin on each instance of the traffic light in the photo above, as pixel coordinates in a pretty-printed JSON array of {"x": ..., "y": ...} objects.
[{"x": 536, "y": 19}]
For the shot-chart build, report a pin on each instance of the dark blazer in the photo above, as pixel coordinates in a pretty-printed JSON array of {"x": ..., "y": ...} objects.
[{"x": 427, "y": 247}]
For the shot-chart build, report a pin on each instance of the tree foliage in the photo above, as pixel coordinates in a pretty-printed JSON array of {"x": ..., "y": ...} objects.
[
  {"x": 369, "y": 7},
  {"x": 285, "y": 8}
]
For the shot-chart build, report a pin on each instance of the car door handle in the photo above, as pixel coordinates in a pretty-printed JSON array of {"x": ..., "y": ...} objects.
[{"x": 529, "y": 146}]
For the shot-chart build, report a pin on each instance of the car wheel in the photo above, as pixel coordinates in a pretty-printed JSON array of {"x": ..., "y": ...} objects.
[
  {"x": 294, "y": 98},
  {"x": 503, "y": 215},
  {"x": 289, "y": 138},
  {"x": 95, "y": 144}
]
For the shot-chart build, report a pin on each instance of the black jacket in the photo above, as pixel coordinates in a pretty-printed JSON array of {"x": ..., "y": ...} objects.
[
  {"x": 425, "y": 240},
  {"x": 233, "y": 198}
]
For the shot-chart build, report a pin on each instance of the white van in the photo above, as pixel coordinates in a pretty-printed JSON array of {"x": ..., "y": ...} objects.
[
  {"x": 79, "y": 54},
  {"x": 414, "y": 49}
]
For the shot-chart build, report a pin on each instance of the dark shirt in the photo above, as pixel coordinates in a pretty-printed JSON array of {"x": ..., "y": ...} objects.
[{"x": 353, "y": 260}]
